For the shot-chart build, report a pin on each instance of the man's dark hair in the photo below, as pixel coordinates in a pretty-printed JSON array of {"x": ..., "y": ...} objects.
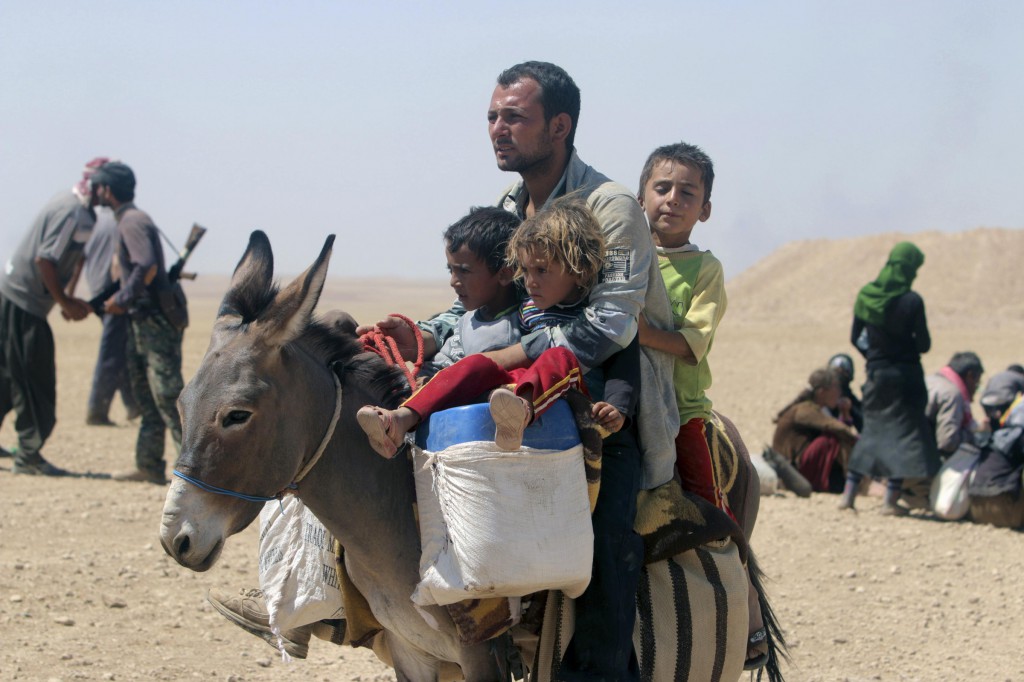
[
  {"x": 687, "y": 154},
  {"x": 118, "y": 177},
  {"x": 558, "y": 93},
  {"x": 485, "y": 231},
  {"x": 1015, "y": 368},
  {"x": 964, "y": 362}
]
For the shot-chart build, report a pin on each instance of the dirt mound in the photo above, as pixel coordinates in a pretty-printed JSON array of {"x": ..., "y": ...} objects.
[{"x": 970, "y": 277}]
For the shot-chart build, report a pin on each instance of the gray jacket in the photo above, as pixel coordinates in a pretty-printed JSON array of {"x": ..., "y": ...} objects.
[
  {"x": 58, "y": 234},
  {"x": 945, "y": 411}
]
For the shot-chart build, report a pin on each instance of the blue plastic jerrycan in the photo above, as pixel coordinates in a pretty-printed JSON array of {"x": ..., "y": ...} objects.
[{"x": 553, "y": 430}]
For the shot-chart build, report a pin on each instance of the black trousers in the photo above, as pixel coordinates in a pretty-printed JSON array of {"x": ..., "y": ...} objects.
[
  {"x": 28, "y": 377},
  {"x": 602, "y": 645}
]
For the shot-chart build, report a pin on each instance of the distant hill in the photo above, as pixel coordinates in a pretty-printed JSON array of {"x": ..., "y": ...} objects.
[{"x": 970, "y": 277}]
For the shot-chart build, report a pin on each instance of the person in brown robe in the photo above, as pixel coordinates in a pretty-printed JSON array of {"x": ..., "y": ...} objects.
[{"x": 814, "y": 441}]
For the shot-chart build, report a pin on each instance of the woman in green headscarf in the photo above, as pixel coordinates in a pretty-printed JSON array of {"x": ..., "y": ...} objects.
[
  {"x": 893, "y": 281},
  {"x": 891, "y": 331}
]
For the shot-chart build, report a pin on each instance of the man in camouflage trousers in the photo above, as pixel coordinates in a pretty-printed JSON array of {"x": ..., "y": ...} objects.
[{"x": 154, "y": 349}]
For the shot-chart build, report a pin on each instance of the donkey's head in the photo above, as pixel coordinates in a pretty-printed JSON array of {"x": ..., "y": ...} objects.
[{"x": 255, "y": 411}]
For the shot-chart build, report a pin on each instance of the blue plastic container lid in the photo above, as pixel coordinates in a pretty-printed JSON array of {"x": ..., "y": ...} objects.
[{"x": 554, "y": 430}]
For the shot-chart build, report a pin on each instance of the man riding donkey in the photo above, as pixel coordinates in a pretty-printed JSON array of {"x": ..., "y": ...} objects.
[{"x": 532, "y": 120}]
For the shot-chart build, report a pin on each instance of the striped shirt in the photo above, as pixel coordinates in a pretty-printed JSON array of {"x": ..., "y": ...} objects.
[{"x": 532, "y": 318}]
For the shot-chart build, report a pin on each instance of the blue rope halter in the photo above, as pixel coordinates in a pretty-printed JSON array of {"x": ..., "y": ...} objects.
[
  {"x": 292, "y": 487},
  {"x": 231, "y": 493}
]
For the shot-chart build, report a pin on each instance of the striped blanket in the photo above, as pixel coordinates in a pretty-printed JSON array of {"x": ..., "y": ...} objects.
[{"x": 691, "y": 619}]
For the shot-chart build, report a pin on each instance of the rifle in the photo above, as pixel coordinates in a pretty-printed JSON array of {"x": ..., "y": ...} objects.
[{"x": 175, "y": 273}]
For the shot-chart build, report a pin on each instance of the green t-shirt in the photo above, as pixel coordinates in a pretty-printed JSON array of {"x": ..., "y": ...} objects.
[{"x": 696, "y": 289}]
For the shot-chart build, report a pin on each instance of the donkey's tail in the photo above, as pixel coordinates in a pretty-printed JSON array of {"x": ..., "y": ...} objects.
[{"x": 778, "y": 650}]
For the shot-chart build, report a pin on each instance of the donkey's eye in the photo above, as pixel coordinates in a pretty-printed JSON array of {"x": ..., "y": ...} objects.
[{"x": 236, "y": 417}]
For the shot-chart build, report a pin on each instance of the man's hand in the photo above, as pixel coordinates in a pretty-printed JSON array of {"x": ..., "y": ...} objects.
[
  {"x": 74, "y": 309},
  {"x": 397, "y": 329},
  {"x": 71, "y": 308},
  {"x": 608, "y": 417}
]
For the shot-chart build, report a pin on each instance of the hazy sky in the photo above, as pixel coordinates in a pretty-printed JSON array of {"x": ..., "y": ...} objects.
[{"x": 368, "y": 120}]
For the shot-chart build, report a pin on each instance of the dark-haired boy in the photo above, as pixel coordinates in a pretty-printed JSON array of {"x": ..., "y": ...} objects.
[{"x": 475, "y": 249}]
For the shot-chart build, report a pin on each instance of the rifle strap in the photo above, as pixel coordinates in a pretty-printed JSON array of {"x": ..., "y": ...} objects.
[{"x": 169, "y": 242}]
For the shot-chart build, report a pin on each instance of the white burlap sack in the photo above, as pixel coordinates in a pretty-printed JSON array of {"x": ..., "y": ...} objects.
[
  {"x": 948, "y": 497},
  {"x": 501, "y": 524},
  {"x": 298, "y": 571}
]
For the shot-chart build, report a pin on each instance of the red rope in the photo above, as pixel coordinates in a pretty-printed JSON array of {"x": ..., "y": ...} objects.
[{"x": 386, "y": 347}]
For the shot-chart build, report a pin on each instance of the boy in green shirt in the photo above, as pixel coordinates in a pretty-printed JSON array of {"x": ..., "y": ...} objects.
[{"x": 675, "y": 191}]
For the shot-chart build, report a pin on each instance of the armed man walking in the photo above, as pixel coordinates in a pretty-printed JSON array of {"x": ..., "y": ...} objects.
[{"x": 154, "y": 349}]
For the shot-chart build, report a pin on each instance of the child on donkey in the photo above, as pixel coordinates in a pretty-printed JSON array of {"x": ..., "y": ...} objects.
[
  {"x": 558, "y": 253},
  {"x": 475, "y": 248},
  {"x": 675, "y": 191}
]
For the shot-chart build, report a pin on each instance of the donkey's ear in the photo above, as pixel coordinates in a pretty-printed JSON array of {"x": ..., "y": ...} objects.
[
  {"x": 292, "y": 309},
  {"x": 252, "y": 283}
]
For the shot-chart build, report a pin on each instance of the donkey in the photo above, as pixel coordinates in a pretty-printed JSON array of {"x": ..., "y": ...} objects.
[
  {"x": 275, "y": 398},
  {"x": 260, "y": 405}
]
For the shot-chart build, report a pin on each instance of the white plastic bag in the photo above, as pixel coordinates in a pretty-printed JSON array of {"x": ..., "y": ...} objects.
[
  {"x": 948, "y": 496},
  {"x": 768, "y": 479},
  {"x": 501, "y": 524},
  {"x": 298, "y": 569}
]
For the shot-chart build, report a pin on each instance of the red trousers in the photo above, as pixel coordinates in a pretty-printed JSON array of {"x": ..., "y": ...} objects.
[
  {"x": 817, "y": 461},
  {"x": 696, "y": 470},
  {"x": 470, "y": 380}
]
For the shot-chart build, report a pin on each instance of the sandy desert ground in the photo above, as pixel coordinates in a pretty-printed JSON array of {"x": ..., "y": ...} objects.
[{"x": 87, "y": 593}]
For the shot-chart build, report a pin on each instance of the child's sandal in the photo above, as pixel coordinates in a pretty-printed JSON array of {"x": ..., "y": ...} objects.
[
  {"x": 757, "y": 650},
  {"x": 511, "y": 414}
]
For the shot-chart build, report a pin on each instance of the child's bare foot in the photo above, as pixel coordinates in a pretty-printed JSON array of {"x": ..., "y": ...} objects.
[
  {"x": 511, "y": 415},
  {"x": 383, "y": 429}
]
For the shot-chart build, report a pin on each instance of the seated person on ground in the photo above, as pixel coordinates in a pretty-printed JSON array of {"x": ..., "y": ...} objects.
[
  {"x": 558, "y": 253},
  {"x": 995, "y": 489},
  {"x": 849, "y": 404},
  {"x": 1000, "y": 391},
  {"x": 950, "y": 392},
  {"x": 812, "y": 439}
]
